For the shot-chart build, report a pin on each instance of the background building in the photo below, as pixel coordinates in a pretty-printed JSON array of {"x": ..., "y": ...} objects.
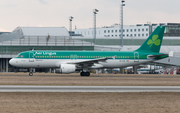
[
  {"x": 132, "y": 31},
  {"x": 114, "y": 31}
]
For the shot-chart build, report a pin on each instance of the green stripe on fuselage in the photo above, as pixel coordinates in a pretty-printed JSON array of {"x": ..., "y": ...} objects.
[{"x": 84, "y": 54}]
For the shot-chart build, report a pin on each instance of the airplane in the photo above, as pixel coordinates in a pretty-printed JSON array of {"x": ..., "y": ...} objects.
[{"x": 67, "y": 62}]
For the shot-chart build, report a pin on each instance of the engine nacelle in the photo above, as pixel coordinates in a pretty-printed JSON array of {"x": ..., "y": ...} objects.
[{"x": 66, "y": 68}]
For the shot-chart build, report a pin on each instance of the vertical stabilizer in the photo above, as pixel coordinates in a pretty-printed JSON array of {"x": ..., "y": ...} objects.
[{"x": 154, "y": 41}]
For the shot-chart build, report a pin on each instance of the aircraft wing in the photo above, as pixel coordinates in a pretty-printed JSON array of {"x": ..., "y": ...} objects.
[{"x": 90, "y": 61}]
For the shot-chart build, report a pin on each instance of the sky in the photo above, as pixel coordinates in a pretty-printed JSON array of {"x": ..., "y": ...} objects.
[{"x": 56, "y": 13}]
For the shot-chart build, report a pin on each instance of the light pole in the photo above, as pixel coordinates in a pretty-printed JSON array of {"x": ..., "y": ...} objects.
[
  {"x": 122, "y": 22},
  {"x": 70, "y": 28},
  {"x": 121, "y": 42},
  {"x": 95, "y": 12}
]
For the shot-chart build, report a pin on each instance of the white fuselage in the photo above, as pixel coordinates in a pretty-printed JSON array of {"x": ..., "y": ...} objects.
[{"x": 54, "y": 63}]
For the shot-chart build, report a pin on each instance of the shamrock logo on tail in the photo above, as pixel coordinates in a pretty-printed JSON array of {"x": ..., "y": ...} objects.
[{"x": 154, "y": 41}]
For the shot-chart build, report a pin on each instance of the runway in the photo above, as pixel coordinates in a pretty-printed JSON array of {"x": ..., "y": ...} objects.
[
  {"x": 89, "y": 88},
  {"x": 98, "y": 76}
]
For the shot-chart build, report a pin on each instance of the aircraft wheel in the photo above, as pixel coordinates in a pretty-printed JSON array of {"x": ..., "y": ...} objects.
[
  {"x": 82, "y": 73},
  {"x": 87, "y": 73},
  {"x": 31, "y": 74}
]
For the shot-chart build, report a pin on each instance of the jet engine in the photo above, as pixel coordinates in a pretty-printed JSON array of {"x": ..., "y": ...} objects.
[{"x": 66, "y": 68}]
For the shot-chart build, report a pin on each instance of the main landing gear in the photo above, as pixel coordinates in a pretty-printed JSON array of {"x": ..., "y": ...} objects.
[{"x": 85, "y": 73}]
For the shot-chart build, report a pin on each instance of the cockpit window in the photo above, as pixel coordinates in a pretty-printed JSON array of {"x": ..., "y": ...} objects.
[
  {"x": 17, "y": 55},
  {"x": 20, "y": 56}
]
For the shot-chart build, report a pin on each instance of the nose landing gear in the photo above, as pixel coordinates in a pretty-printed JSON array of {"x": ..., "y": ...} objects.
[{"x": 30, "y": 73}]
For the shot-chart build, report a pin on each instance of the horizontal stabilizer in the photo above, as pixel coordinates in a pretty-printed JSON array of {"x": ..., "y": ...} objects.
[{"x": 155, "y": 56}]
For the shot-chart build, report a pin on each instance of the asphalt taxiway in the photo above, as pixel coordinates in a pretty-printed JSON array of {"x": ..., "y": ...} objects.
[
  {"x": 98, "y": 75},
  {"x": 89, "y": 88}
]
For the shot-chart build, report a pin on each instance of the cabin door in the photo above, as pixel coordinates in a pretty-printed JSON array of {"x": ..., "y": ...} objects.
[
  {"x": 31, "y": 57},
  {"x": 136, "y": 57},
  {"x": 71, "y": 57},
  {"x": 75, "y": 57}
]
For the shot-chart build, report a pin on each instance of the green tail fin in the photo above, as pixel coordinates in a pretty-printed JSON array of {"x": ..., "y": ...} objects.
[{"x": 154, "y": 41}]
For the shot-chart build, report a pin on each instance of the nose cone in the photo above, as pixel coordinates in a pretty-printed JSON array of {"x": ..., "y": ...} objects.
[{"x": 12, "y": 62}]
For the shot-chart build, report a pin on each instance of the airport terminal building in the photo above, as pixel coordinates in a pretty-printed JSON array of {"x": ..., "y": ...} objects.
[{"x": 138, "y": 31}]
